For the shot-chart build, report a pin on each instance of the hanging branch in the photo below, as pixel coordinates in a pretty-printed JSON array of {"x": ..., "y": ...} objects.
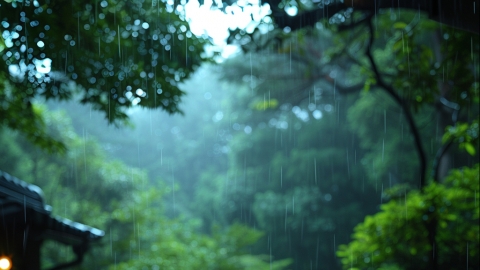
[
  {"x": 459, "y": 13},
  {"x": 431, "y": 225},
  {"x": 402, "y": 103},
  {"x": 443, "y": 150}
]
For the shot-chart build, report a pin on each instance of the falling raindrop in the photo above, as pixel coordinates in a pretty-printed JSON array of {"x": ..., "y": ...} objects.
[
  {"x": 290, "y": 51},
  {"x": 334, "y": 245},
  {"x": 173, "y": 189},
  {"x": 383, "y": 148},
  {"x": 118, "y": 38},
  {"x": 293, "y": 205},
  {"x": 475, "y": 198},
  {"x": 25, "y": 208},
  {"x": 348, "y": 165},
  {"x": 381, "y": 195},
  {"x": 385, "y": 121},
  {"x": 467, "y": 255},
  {"x": 281, "y": 176},
  {"x": 111, "y": 242}
]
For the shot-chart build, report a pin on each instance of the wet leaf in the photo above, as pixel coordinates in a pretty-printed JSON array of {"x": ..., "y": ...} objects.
[
  {"x": 470, "y": 149},
  {"x": 399, "y": 25}
]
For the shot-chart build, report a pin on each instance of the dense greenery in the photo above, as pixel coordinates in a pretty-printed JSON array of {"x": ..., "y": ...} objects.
[
  {"x": 397, "y": 237},
  {"x": 418, "y": 80},
  {"x": 87, "y": 186},
  {"x": 283, "y": 150}
]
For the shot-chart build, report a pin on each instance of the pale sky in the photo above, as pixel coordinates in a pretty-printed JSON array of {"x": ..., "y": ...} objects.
[{"x": 216, "y": 23}]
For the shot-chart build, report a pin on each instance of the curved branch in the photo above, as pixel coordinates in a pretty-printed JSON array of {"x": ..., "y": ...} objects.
[
  {"x": 432, "y": 224},
  {"x": 403, "y": 104},
  {"x": 436, "y": 162},
  {"x": 443, "y": 150},
  {"x": 301, "y": 92},
  {"x": 458, "y": 14}
]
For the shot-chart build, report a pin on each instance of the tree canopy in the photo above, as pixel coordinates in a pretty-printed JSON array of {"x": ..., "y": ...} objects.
[
  {"x": 405, "y": 65},
  {"x": 110, "y": 55}
]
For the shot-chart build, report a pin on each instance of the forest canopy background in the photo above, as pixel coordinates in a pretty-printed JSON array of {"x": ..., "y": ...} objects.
[{"x": 353, "y": 112}]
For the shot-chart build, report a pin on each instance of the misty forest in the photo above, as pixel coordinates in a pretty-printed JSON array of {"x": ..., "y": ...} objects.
[{"x": 332, "y": 135}]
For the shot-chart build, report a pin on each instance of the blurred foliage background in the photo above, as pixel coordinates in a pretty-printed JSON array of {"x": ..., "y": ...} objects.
[{"x": 290, "y": 155}]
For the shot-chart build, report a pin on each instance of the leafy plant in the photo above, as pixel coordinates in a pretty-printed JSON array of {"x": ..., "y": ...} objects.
[{"x": 398, "y": 236}]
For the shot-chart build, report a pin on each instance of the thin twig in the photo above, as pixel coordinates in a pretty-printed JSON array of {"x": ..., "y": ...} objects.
[{"x": 443, "y": 150}]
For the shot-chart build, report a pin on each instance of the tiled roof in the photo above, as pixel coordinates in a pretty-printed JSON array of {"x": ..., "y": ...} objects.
[
  {"x": 14, "y": 190},
  {"x": 17, "y": 196}
]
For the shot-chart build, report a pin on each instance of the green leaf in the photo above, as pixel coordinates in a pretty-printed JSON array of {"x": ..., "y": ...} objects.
[
  {"x": 470, "y": 149},
  {"x": 2, "y": 44},
  {"x": 399, "y": 25}
]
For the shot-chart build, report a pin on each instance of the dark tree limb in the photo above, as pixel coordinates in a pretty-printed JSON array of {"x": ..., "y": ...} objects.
[
  {"x": 403, "y": 104},
  {"x": 455, "y": 109},
  {"x": 431, "y": 225},
  {"x": 454, "y": 13},
  {"x": 302, "y": 93},
  {"x": 438, "y": 157}
]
